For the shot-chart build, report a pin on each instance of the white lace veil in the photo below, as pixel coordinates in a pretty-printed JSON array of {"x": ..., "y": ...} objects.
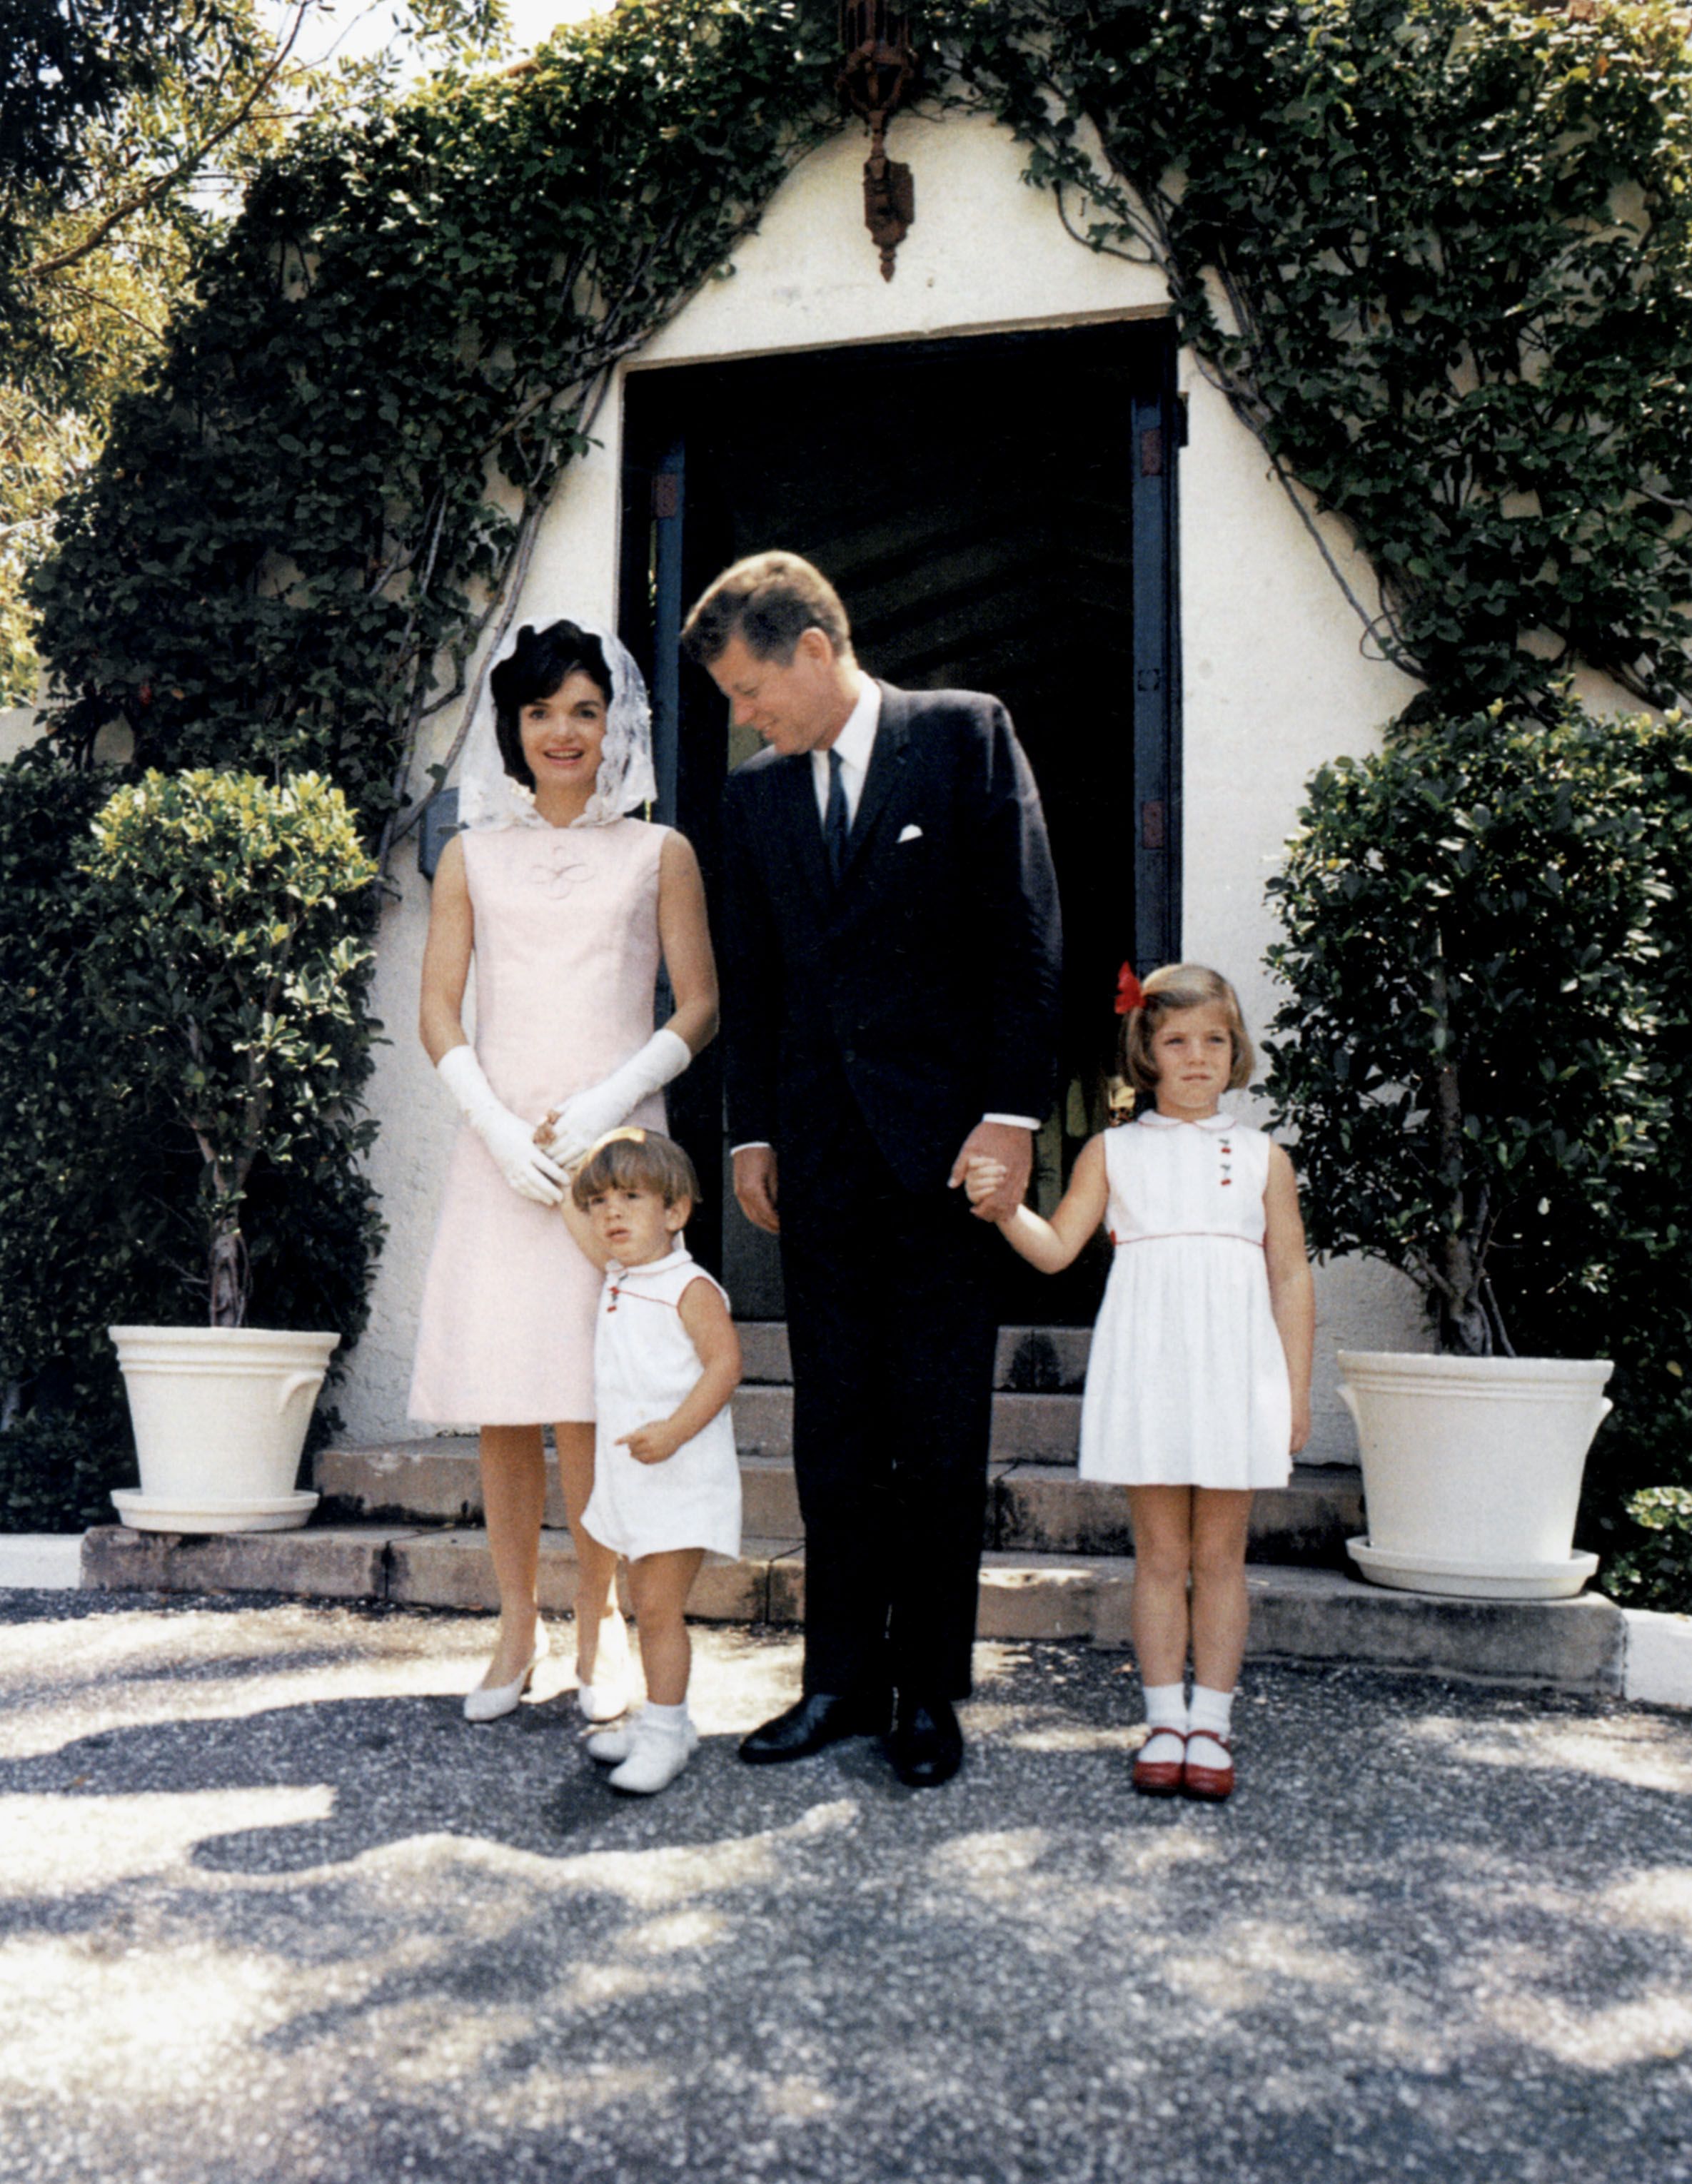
[{"x": 489, "y": 796}]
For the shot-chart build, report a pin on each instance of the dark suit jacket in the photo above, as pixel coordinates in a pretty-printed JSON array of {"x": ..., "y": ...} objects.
[{"x": 926, "y": 983}]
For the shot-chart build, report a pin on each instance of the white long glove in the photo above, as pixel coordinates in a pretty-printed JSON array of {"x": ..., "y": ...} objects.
[
  {"x": 582, "y": 1119},
  {"x": 531, "y": 1173}
]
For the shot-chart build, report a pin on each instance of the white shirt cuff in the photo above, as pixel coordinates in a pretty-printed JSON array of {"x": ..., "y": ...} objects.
[{"x": 751, "y": 1145}]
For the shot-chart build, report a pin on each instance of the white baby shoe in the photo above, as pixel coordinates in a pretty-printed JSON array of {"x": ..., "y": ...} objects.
[
  {"x": 611, "y": 1746},
  {"x": 657, "y": 1752},
  {"x": 490, "y": 1701}
]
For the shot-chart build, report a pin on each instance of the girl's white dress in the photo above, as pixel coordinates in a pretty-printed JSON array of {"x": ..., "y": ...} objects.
[
  {"x": 1186, "y": 1380},
  {"x": 645, "y": 1363}
]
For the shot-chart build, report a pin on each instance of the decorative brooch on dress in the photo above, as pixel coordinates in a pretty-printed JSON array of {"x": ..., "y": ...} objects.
[{"x": 562, "y": 867}]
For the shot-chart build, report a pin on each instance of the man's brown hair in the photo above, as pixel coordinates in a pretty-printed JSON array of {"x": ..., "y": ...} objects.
[{"x": 768, "y": 601}]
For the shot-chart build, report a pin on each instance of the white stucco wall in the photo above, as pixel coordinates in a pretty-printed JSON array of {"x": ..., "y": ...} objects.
[
  {"x": 18, "y": 728},
  {"x": 1274, "y": 680}
]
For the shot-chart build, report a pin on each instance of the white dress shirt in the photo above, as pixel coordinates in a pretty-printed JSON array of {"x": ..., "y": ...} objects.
[{"x": 856, "y": 743}]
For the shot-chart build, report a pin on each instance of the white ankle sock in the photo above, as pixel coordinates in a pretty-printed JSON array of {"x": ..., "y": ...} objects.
[
  {"x": 1210, "y": 1719},
  {"x": 1165, "y": 1712},
  {"x": 611, "y": 1746},
  {"x": 661, "y": 1742}
]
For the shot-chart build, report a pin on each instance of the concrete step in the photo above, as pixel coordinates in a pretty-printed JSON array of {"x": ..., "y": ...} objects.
[
  {"x": 1047, "y": 1509},
  {"x": 1030, "y": 1361},
  {"x": 440, "y": 1568},
  {"x": 1027, "y": 1426},
  {"x": 1296, "y": 1614},
  {"x": 1042, "y": 1506}
]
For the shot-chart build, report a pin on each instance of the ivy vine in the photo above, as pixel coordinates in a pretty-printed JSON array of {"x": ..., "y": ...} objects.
[
  {"x": 297, "y": 538},
  {"x": 1436, "y": 253}
]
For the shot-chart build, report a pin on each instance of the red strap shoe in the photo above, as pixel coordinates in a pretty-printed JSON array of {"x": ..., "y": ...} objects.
[
  {"x": 1160, "y": 1778},
  {"x": 1211, "y": 1786}
]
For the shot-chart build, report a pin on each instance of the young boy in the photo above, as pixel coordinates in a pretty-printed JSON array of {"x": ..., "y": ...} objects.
[{"x": 666, "y": 1481}]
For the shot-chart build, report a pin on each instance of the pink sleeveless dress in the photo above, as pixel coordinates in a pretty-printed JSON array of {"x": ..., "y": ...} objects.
[{"x": 566, "y": 957}]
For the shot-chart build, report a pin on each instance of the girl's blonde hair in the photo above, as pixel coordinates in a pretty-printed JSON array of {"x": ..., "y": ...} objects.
[
  {"x": 1179, "y": 986},
  {"x": 633, "y": 1159}
]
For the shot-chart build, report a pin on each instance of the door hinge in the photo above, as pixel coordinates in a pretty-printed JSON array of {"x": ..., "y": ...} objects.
[
  {"x": 1152, "y": 452},
  {"x": 1152, "y": 826},
  {"x": 667, "y": 495}
]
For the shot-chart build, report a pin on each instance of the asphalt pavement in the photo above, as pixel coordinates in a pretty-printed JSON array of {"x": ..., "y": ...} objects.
[{"x": 272, "y": 1912}]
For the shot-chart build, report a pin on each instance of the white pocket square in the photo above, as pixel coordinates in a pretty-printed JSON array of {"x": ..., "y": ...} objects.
[{"x": 911, "y": 834}]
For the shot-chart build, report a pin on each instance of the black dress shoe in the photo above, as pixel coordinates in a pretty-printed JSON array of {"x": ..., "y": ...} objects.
[
  {"x": 820, "y": 1718},
  {"x": 927, "y": 1747}
]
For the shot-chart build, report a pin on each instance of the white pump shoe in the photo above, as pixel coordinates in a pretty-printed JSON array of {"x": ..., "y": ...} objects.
[
  {"x": 607, "y": 1696},
  {"x": 493, "y": 1701}
]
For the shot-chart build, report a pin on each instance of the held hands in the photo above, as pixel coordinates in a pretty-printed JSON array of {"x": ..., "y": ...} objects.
[
  {"x": 1005, "y": 1147},
  {"x": 578, "y": 1124},
  {"x": 651, "y": 1444},
  {"x": 528, "y": 1170},
  {"x": 581, "y": 1120},
  {"x": 983, "y": 1178},
  {"x": 521, "y": 1163}
]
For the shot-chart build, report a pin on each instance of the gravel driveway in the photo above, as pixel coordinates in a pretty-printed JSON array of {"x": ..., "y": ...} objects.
[{"x": 269, "y": 1911}]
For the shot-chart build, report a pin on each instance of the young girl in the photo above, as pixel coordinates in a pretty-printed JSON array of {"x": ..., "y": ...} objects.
[
  {"x": 1199, "y": 1385},
  {"x": 667, "y": 1482}
]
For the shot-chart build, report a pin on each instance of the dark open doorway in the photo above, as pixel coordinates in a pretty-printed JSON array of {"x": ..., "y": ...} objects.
[{"x": 997, "y": 513}]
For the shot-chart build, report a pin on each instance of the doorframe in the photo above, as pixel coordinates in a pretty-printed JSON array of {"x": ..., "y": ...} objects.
[
  {"x": 1159, "y": 415},
  {"x": 666, "y": 561}
]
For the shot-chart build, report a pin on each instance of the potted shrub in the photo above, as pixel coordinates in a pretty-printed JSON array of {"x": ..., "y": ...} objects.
[
  {"x": 228, "y": 972},
  {"x": 1469, "y": 1058}
]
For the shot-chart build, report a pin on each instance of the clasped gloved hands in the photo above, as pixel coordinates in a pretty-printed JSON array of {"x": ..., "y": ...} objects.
[{"x": 574, "y": 1125}]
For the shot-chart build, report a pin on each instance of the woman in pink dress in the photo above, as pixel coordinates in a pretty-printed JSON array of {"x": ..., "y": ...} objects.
[{"x": 567, "y": 902}]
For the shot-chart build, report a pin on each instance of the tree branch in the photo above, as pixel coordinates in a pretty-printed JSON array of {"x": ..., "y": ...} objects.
[{"x": 140, "y": 199}]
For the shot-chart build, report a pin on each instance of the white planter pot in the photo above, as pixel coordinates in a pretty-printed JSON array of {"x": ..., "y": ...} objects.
[
  {"x": 1472, "y": 1470},
  {"x": 220, "y": 1416}
]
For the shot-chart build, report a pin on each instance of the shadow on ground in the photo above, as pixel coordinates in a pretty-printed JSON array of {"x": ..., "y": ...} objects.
[{"x": 269, "y": 1909}]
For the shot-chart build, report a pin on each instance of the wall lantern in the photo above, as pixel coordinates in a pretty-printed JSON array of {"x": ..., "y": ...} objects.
[{"x": 878, "y": 69}]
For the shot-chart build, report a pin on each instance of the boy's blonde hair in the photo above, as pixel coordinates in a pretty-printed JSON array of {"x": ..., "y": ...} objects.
[
  {"x": 632, "y": 1159},
  {"x": 1179, "y": 986}
]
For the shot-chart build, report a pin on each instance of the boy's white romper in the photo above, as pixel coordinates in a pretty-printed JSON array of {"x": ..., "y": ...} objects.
[
  {"x": 1187, "y": 1380},
  {"x": 645, "y": 1364}
]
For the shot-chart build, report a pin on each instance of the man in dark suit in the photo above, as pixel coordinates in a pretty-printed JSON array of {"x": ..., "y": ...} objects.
[{"x": 891, "y": 957}]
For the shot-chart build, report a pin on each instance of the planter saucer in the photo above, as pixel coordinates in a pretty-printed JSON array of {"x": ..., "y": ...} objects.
[
  {"x": 150, "y": 1512},
  {"x": 1472, "y": 1581}
]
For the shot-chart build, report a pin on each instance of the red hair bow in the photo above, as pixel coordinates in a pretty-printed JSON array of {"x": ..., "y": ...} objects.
[{"x": 1130, "y": 993}]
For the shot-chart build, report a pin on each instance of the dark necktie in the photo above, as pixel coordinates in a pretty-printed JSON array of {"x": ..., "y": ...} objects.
[{"x": 835, "y": 827}]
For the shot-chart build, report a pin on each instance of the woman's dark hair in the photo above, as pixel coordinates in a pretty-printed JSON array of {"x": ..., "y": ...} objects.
[{"x": 543, "y": 661}]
